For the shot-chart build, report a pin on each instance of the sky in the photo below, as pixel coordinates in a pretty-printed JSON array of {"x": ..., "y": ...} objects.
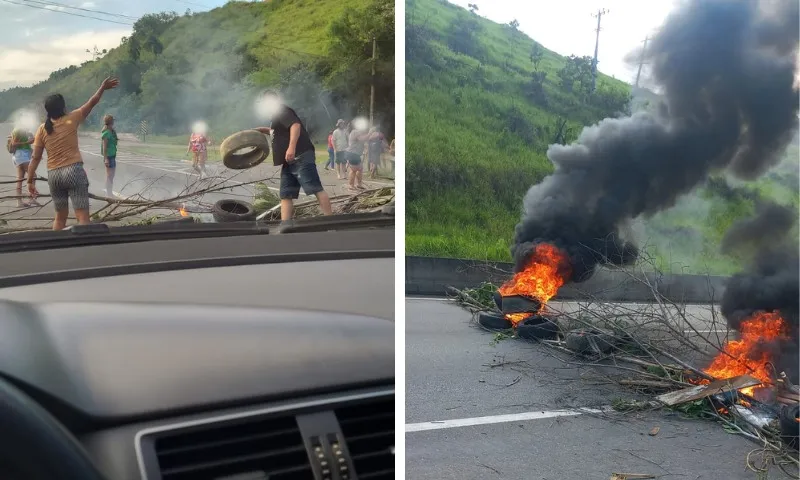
[
  {"x": 40, "y": 36},
  {"x": 568, "y": 27}
]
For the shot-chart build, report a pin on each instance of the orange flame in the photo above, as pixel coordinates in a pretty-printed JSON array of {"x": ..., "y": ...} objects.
[
  {"x": 516, "y": 318},
  {"x": 541, "y": 279},
  {"x": 744, "y": 356},
  {"x": 184, "y": 213},
  {"x": 543, "y": 276}
]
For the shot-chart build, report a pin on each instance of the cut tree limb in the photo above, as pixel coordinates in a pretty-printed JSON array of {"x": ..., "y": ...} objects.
[{"x": 701, "y": 391}]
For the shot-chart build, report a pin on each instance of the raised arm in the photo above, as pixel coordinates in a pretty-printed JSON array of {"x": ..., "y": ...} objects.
[{"x": 108, "y": 84}]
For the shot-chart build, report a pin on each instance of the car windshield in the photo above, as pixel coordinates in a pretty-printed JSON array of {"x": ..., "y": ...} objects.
[{"x": 219, "y": 114}]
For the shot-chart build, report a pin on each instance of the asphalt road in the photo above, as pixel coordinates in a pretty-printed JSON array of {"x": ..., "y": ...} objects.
[
  {"x": 479, "y": 409},
  {"x": 145, "y": 177}
]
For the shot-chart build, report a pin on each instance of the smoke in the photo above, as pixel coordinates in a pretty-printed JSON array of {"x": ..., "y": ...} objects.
[
  {"x": 770, "y": 224},
  {"x": 726, "y": 69},
  {"x": 771, "y": 281},
  {"x": 25, "y": 119}
]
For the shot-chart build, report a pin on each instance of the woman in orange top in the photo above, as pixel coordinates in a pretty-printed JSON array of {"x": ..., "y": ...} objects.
[{"x": 58, "y": 135}]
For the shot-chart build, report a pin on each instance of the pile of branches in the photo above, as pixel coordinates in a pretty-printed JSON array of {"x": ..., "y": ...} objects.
[
  {"x": 652, "y": 349},
  {"x": 138, "y": 208},
  {"x": 367, "y": 201}
]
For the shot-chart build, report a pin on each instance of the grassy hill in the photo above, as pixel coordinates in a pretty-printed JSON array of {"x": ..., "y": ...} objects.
[
  {"x": 176, "y": 69},
  {"x": 483, "y": 103}
]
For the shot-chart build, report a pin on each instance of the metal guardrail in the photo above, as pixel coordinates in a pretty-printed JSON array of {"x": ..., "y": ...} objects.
[{"x": 432, "y": 276}]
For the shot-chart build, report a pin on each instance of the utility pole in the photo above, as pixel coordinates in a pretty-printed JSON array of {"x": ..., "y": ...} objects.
[
  {"x": 599, "y": 16},
  {"x": 641, "y": 60},
  {"x": 372, "y": 84}
]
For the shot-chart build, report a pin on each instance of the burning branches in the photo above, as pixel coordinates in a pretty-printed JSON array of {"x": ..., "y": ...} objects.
[
  {"x": 664, "y": 346},
  {"x": 748, "y": 355}
]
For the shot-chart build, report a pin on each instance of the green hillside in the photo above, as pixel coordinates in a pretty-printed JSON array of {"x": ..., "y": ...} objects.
[
  {"x": 483, "y": 103},
  {"x": 176, "y": 69}
]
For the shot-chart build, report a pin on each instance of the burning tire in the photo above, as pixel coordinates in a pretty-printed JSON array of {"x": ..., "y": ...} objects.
[
  {"x": 520, "y": 304},
  {"x": 537, "y": 327},
  {"x": 789, "y": 425},
  {"x": 494, "y": 321},
  {"x": 244, "y": 149},
  {"x": 498, "y": 300},
  {"x": 226, "y": 211}
]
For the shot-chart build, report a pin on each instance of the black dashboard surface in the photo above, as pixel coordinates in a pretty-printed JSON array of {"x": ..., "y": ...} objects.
[
  {"x": 127, "y": 360},
  {"x": 132, "y": 336}
]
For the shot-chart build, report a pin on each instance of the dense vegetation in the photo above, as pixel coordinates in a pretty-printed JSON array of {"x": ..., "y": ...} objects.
[
  {"x": 483, "y": 103},
  {"x": 177, "y": 69}
]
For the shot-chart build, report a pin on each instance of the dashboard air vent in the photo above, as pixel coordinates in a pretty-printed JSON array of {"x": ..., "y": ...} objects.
[
  {"x": 257, "y": 449},
  {"x": 368, "y": 429}
]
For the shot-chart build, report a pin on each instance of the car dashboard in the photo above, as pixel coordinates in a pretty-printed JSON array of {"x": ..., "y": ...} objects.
[{"x": 241, "y": 370}]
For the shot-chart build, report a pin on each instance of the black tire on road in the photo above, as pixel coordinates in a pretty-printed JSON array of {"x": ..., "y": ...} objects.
[
  {"x": 498, "y": 300},
  {"x": 226, "y": 211},
  {"x": 244, "y": 149},
  {"x": 520, "y": 304},
  {"x": 494, "y": 321},
  {"x": 537, "y": 327}
]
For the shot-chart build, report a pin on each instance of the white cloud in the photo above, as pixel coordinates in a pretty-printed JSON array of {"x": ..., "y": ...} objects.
[
  {"x": 34, "y": 62},
  {"x": 87, "y": 4}
]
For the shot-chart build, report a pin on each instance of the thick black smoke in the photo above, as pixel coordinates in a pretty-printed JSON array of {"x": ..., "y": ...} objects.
[
  {"x": 726, "y": 68},
  {"x": 771, "y": 283},
  {"x": 769, "y": 227}
]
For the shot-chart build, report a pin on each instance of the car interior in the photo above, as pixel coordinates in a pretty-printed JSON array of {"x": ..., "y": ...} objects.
[{"x": 230, "y": 352}]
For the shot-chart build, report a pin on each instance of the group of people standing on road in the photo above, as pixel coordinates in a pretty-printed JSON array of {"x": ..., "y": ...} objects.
[
  {"x": 292, "y": 149},
  {"x": 58, "y": 136},
  {"x": 66, "y": 177},
  {"x": 349, "y": 146}
]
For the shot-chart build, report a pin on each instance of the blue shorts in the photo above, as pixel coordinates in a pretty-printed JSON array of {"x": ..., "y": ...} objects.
[
  {"x": 300, "y": 173},
  {"x": 21, "y": 157},
  {"x": 112, "y": 161}
]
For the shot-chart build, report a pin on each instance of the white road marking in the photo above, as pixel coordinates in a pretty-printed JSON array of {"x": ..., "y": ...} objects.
[
  {"x": 514, "y": 417},
  {"x": 432, "y": 299}
]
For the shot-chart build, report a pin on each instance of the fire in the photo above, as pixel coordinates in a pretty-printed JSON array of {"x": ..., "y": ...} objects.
[
  {"x": 515, "y": 318},
  {"x": 543, "y": 276},
  {"x": 744, "y": 356},
  {"x": 184, "y": 213}
]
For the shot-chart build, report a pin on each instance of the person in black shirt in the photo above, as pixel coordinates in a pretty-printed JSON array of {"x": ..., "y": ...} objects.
[{"x": 293, "y": 151}]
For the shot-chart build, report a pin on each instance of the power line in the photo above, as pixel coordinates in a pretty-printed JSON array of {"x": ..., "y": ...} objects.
[
  {"x": 66, "y": 13},
  {"x": 55, "y": 4}
]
